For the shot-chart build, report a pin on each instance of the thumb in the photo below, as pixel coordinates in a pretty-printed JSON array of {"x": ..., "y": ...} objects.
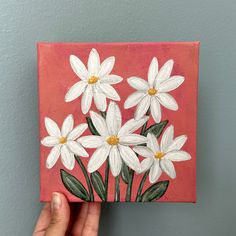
[{"x": 60, "y": 215}]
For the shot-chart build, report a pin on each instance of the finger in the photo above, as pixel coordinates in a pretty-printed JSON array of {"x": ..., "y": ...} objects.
[
  {"x": 43, "y": 221},
  {"x": 60, "y": 216},
  {"x": 74, "y": 209},
  {"x": 91, "y": 224},
  {"x": 80, "y": 220}
]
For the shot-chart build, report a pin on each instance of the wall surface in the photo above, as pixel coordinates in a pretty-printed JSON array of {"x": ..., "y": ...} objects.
[{"x": 24, "y": 22}]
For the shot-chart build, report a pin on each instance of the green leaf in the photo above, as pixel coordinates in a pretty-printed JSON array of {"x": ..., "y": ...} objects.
[
  {"x": 74, "y": 186},
  {"x": 125, "y": 173},
  {"x": 91, "y": 126},
  {"x": 156, "y": 129},
  {"x": 155, "y": 192},
  {"x": 98, "y": 185}
]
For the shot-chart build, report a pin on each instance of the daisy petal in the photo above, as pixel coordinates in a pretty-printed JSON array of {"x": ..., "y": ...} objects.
[
  {"x": 132, "y": 139},
  {"x": 78, "y": 67},
  {"x": 142, "y": 107},
  {"x": 155, "y": 109},
  {"x": 75, "y": 91},
  {"x": 53, "y": 156},
  {"x": 77, "y": 149},
  {"x": 98, "y": 158},
  {"x": 146, "y": 164},
  {"x": 91, "y": 141},
  {"x": 177, "y": 144},
  {"x": 86, "y": 99},
  {"x": 152, "y": 143},
  {"x": 110, "y": 92},
  {"x": 93, "y": 62},
  {"x": 106, "y": 67},
  {"x": 111, "y": 79},
  {"x": 50, "y": 141},
  {"x": 132, "y": 125},
  {"x": 52, "y": 127},
  {"x": 133, "y": 99},
  {"x": 152, "y": 71},
  {"x": 67, "y": 125},
  {"x": 99, "y": 123},
  {"x": 130, "y": 158},
  {"x": 113, "y": 118},
  {"x": 167, "y": 138},
  {"x": 164, "y": 73},
  {"x": 155, "y": 172},
  {"x": 178, "y": 156},
  {"x": 67, "y": 158},
  {"x": 171, "y": 84},
  {"x": 77, "y": 131},
  {"x": 167, "y": 101},
  {"x": 168, "y": 167},
  {"x": 115, "y": 161},
  {"x": 138, "y": 83},
  {"x": 143, "y": 151},
  {"x": 100, "y": 100}
]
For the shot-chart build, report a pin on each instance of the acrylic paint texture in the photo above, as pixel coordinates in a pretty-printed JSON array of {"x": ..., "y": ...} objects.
[{"x": 91, "y": 87}]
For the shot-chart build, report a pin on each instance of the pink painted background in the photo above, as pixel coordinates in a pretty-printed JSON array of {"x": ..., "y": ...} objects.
[{"x": 56, "y": 77}]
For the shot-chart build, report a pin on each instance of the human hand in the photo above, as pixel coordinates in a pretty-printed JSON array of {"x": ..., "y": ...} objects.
[{"x": 60, "y": 219}]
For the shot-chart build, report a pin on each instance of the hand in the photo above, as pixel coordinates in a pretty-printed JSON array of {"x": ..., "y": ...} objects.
[{"x": 60, "y": 219}]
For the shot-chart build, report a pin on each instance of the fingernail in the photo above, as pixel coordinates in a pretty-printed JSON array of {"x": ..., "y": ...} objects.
[{"x": 56, "y": 201}]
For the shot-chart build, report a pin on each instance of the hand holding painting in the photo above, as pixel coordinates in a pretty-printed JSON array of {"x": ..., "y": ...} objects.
[{"x": 59, "y": 218}]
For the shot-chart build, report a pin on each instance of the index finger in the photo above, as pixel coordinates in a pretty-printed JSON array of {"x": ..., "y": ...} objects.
[
  {"x": 80, "y": 219},
  {"x": 91, "y": 224}
]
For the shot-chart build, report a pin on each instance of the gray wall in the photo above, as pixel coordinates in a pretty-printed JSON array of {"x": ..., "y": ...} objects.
[{"x": 24, "y": 22}]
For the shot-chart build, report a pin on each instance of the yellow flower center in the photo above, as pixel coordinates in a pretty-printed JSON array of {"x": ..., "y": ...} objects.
[
  {"x": 93, "y": 79},
  {"x": 152, "y": 91},
  {"x": 62, "y": 140},
  {"x": 113, "y": 140},
  {"x": 159, "y": 155}
]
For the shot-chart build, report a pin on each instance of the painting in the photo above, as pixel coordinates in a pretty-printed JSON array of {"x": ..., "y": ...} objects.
[{"x": 118, "y": 121}]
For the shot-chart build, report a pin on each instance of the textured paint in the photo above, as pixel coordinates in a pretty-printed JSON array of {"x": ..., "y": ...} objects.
[
  {"x": 25, "y": 22},
  {"x": 56, "y": 77}
]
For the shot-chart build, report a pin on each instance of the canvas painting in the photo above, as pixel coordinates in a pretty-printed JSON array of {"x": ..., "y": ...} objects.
[{"x": 118, "y": 121}]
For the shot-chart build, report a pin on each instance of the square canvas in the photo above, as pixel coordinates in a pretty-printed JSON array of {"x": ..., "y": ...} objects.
[{"x": 118, "y": 121}]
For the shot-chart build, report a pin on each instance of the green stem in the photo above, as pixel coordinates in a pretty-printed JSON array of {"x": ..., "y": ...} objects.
[
  {"x": 145, "y": 124},
  {"x": 140, "y": 189},
  {"x": 143, "y": 128},
  {"x": 130, "y": 183},
  {"x": 86, "y": 177},
  {"x": 117, "y": 187},
  {"x": 104, "y": 114},
  {"x": 129, "y": 187},
  {"x": 106, "y": 177}
]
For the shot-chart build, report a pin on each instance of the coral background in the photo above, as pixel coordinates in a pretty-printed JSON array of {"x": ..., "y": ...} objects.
[{"x": 132, "y": 59}]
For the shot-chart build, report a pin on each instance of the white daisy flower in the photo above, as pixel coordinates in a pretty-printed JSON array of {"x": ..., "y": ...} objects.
[
  {"x": 115, "y": 141},
  {"x": 63, "y": 142},
  {"x": 154, "y": 93},
  {"x": 159, "y": 158},
  {"x": 95, "y": 82}
]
